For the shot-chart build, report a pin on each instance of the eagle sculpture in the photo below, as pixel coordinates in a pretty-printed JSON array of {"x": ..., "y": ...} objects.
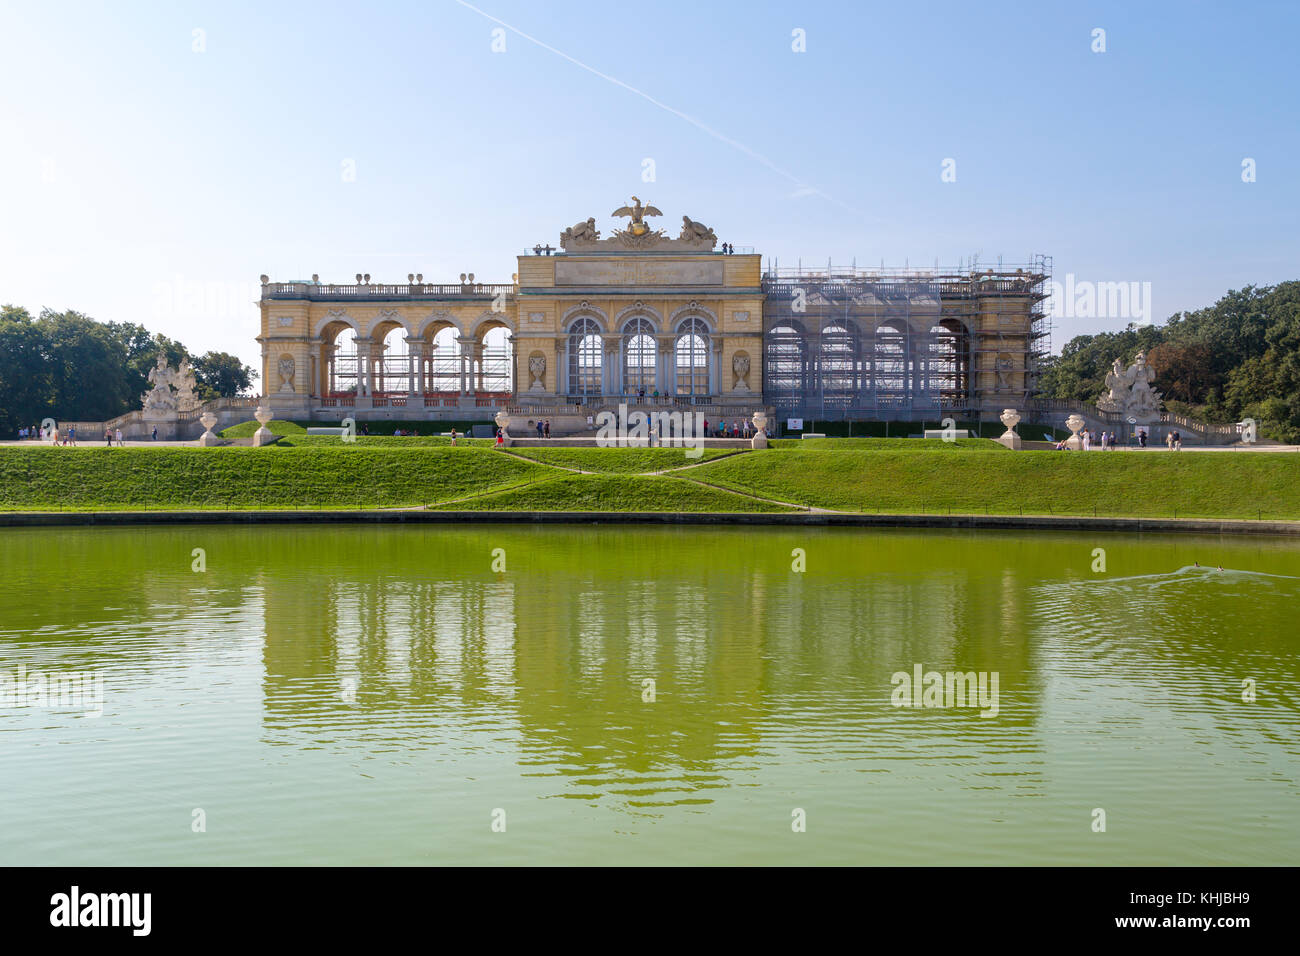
[{"x": 637, "y": 212}]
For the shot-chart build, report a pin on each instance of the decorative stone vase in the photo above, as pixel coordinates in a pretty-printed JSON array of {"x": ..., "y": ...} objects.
[
  {"x": 208, "y": 438},
  {"x": 1075, "y": 423},
  {"x": 1010, "y": 418},
  {"x": 760, "y": 430},
  {"x": 263, "y": 435}
]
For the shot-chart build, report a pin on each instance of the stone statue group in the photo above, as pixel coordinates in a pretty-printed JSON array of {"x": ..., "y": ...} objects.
[
  {"x": 1129, "y": 391},
  {"x": 161, "y": 398}
]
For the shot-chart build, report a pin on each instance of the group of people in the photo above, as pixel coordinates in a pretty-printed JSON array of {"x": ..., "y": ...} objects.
[
  {"x": 68, "y": 436},
  {"x": 543, "y": 428},
  {"x": 1107, "y": 441},
  {"x": 737, "y": 429}
]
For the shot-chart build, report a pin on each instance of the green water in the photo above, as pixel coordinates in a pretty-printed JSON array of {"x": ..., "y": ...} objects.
[{"x": 382, "y": 695}]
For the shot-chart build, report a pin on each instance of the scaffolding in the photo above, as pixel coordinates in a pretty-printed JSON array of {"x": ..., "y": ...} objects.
[{"x": 904, "y": 344}]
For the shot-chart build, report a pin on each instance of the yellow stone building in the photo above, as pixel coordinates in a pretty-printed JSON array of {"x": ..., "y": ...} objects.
[{"x": 644, "y": 318}]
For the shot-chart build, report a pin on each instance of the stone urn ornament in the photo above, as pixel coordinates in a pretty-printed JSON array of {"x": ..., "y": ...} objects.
[
  {"x": 1010, "y": 418},
  {"x": 1075, "y": 423},
  {"x": 760, "y": 430},
  {"x": 208, "y": 438},
  {"x": 263, "y": 435}
]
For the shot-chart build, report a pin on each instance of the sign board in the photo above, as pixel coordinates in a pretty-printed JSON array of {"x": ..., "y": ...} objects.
[{"x": 794, "y": 424}]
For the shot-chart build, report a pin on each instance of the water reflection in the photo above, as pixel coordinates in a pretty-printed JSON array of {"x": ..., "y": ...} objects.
[{"x": 398, "y": 654}]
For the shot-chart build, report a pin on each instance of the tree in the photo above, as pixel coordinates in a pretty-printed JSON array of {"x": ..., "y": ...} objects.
[
  {"x": 221, "y": 374},
  {"x": 24, "y": 382},
  {"x": 1184, "y": 373},
  {"x": 86, "y": 365}
]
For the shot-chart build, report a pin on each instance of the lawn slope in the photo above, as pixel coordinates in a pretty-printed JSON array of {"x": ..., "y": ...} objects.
[
  {"x": 1138, "y": 484},
  {"x": 623, "y": 493},
  {"x": 159, "y": 478}
]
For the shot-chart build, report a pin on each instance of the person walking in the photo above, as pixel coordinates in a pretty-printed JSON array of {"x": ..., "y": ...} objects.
[
  {"x": 539, "y": 428},
  {"x": 1178, "y": 441},
  {"x": 1169, "y": 441},
  {"x": 1142, "y": 438},
  {"x": 153, "y": 436},
  {"x": 108, "y": 437},
  {"x": 548, "y": 428},
  {"x": 72, "y": 435},
  {"x": 453, "y": 435},
  {"x": 501, "y": 437},
  {"x": 1087, "y": 438},
  {"x": 118, "y": 436}
]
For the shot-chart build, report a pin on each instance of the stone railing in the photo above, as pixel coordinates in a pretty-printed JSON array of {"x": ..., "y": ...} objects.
[
  {"x": 611, "y": 405},
  {"x": 328, "y": 293},
  {"x": 1206, "y": 430}
]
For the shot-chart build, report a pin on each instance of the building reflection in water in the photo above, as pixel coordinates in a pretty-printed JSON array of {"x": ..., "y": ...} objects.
[{"x": 547, "y": 664}]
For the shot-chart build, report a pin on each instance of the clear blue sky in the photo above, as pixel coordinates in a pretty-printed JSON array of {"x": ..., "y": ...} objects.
[{"x": 131, "y": 163}]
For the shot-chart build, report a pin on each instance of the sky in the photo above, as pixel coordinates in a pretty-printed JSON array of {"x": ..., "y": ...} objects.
[{"x": 156, "y": 158}]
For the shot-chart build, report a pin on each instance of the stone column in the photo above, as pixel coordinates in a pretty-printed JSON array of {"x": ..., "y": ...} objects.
[
  {"x": 610, "y": 366},
  {"x": 513, "y": 385},
  {"x": 715, "y": 365},
  {"x": 561, "y": 372},
  {"x": 415, "y": 348},
  {"x": 363, "y": 367},
  {"x": 465, "y": 360},
  {"x": 665, "y": 377},
  {"x": 476, "y": 355}
]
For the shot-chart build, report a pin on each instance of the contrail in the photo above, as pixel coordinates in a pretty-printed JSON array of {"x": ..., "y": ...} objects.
[{"x": 803, "y": 189}]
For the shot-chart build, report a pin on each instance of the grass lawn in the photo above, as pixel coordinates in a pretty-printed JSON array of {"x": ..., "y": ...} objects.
[
  {"x": 107, "y": 479},
  {"x": 275, "y": 426},
  {"x": 611, "y": 493},
  {"x": 1137, "y": 484},
  {"x": 914, "y": 477},
  {"x": 883, "y": 444},
  {"x": 619, "y": 460}
]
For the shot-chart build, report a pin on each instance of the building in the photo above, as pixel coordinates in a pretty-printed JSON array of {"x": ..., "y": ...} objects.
[{"x": 641, "y": 317}]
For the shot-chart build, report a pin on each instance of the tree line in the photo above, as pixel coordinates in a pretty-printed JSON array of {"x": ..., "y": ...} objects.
[
  {"x": 1236, "y": 359},
  {"x": 67, "y": 366}
]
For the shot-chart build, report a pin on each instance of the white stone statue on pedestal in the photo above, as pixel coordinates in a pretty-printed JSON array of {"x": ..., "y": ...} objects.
[
  {"x": 1129, "y": 392},
  {"x": 760, "y": 430},
  {"x": 263, "y": 435},
  {"x": 185, "y": 383},
  {"x": 1075, "y": 423},
  {"x": 1010, "y": 418},
  {"x": 208, "y": 438},
  {"x": 159, "y": 403}
]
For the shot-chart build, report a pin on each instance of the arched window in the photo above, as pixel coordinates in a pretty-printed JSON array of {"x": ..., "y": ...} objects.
[
  {"x": 692, "y": 350},
  {"x": 892, "y": 363},
  {"x": 342, "y": 363},
  {"x": 496, "y": 361},
  {"x": 392, "y": 368},
  {"x": 443, "y": 367},
  {"x": 785, "y": 350},
  {"x": 585, "y": 348},
  {"x": 839, "y": 352},
  {"x": 638, "y": 356}
]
